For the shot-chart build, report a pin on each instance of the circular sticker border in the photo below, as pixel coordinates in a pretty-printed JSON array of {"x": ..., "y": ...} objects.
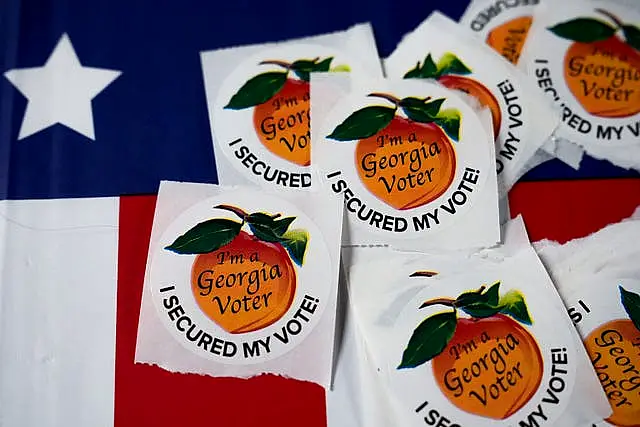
[
  {"x": 504, "y": 84},
  {"x": 538, "y": 60},
  {"x": 411, "y": 314},
  {"x": 472, "y": 150},
  {"x": 230, "y": 127},
  {"x": 594, "y": 308},
  {"x": 314, "y": 280}
]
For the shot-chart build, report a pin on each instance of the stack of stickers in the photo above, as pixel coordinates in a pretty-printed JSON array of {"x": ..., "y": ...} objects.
[{"x": 386, "y": 182}]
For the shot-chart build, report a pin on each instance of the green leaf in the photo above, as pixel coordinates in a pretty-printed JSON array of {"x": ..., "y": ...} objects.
[
  {"x": 303, "y": 75},
  {"x": 492, "y": 294},
  {"x": 632, "y": 36},
  {"x": 584, "y": 30},
  {"x": 488, "y": 296},
  {"x": 420, "y": 111},
  {"x": 266, "y": 227},
  {"x": 363, "y": 123},
  {"x": 488, "y": 303},
  {"x": 304, "y": 67},
  {"x": 429, "y": 339},
  {"x": 342, "y": 68},
  {"x": 303, "y": 64},
  {"x": 470, "y": 297},
  {"x": 295, "y": 242},
  {"x": 480, "y": 310},
  {"x": 631, "y": 303},
  {"x": 413, "y": 73},
  {"x": 264, "y": 232},
  {"x": 324, "y": 65},
  {"x": 260, "y": 217},
  {"x": 451, "y": 64},
  {"x": 449, "y": 120},
  {"x": 480, "y": 304},
  {"x": 411, "y": 102},
  {"x": 512, "y": 304},
  {"x": 280, "y": 226},
  {"x": 206, "y": 236},
  {"x": 257, "y": 90},
  {"x": 427, "y": 70}
]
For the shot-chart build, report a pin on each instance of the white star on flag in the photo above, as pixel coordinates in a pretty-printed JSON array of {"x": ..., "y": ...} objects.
[{"x": 60, "y": 91}]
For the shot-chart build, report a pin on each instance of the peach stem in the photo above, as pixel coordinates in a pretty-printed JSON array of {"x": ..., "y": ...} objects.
[
  {"x": 282, "y": 64},
  {"x": 386, "y": 96},
  {"x": 609, "y": 15},
  {"x": 242, "y": 214},
  {"x": 423, "y": 273},
  {"x": 449, "y": 302}
]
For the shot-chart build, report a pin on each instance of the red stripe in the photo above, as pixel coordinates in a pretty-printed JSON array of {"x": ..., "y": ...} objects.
[{"x": 565, "y": 210}]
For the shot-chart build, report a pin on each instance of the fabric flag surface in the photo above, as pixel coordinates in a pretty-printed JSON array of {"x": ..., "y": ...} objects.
[
  {"x": 105, "y": 98},
  {"x": 57, "y": 308}
]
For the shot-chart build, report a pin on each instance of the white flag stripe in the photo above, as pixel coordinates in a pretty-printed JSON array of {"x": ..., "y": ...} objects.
[
  {"x": 57, "y": 312},
  {"x": 357, "y": 398}
]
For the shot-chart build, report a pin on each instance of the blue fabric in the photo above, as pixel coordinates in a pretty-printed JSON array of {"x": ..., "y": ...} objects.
[{"x": 151, "y": 123}]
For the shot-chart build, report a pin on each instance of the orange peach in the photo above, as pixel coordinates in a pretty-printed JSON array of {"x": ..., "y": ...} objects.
[
  {"x": 407, "y": 164},
  {"x": 282, "y": 123},
  {"x": 245, "y": 285},
  {"x": 491, "y": 367}
]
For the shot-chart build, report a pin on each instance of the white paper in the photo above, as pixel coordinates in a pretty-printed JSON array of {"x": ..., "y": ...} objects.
[
  {"x": 271, "y": 153},
  {"x": 502, "y": 25},
  {"x": 611, "y": 249},
  {"x": 539, "y": 158},
  {"x": 58, "y": 312},
  {"x": 357, "y": 399},
  {"x": 592, "y": 274},
  {"x": 388, "y": 317},
  {"x": 353, "y": 398},
  {"x": 603, "y": 124},
  {"x": 564, "y": 150},
  {"x": 523, "y": 118},
  {"x": 475, "y": 224},
  {"x": 305, "y": 351}
]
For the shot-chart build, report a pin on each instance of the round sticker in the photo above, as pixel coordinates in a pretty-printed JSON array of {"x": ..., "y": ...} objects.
[
  {"x": 503, "y": 25},
  {"x": 408, "y": 160},
  {"x": 464, "y": 64},
  {"x": 493, "y": 85},
  {"x": 262, "y": 112},
  {"x": 588, "y": 61},
  {"x": 481, "y": 357},
  {"x": 241, "y": 278},
  {"x": 608, "y": 318}
]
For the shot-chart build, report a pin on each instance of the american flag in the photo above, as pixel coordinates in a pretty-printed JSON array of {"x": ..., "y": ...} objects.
[{"x": 99, "y": 101}]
